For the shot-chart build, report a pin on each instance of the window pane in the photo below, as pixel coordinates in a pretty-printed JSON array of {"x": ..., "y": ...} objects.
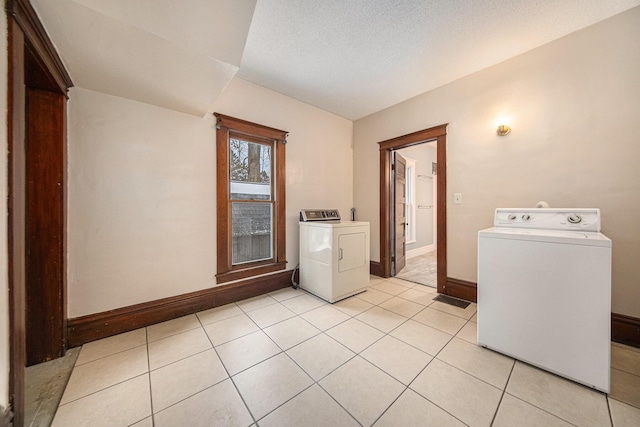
[
  {"x": 251, "y": 232},
  {"x": 250, "y": 170}
]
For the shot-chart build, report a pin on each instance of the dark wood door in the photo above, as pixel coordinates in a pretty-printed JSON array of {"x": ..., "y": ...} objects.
[
  {"x": 45, "y": 162},
  {"x": 400, "y": 182}
]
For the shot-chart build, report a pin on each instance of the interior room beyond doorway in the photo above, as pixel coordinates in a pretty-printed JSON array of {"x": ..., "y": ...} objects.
[{"x": 420, "y": 214}]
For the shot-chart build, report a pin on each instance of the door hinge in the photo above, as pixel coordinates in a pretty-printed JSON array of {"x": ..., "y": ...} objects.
[{"x": 393, "y": 166}]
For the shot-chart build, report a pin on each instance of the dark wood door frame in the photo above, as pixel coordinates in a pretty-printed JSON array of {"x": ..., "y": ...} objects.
[
  {"x": 439, "y": 134},
  {"x": 33, "y": 62}
]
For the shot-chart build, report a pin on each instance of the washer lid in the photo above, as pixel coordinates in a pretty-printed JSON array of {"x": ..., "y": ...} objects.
[{"x": 587, "y": 238}]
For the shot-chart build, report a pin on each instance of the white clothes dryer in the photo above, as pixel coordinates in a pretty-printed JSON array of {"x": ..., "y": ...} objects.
[{"x": 334, "y": 255}]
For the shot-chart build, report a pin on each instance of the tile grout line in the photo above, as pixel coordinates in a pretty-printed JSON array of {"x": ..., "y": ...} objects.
[
  {"x": 146, "y": 337},
  {"x": 227, "y": 371},
  {"x": 504, "y": 390}
]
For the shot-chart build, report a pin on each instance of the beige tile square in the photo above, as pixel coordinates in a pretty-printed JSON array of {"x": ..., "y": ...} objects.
[
  {"x": 469, "y": 332},
  {"x": 354, "y": 334},
  {"x": 112, "y": 345},
  {"x": 428, "y": 289},
  {"x": 324, "y": 317},
  {"x": 352, "y": 306},
  {"x": 625, "y": 387},
  {"x": 443, "y": 321},
  {"x": 270, "y": 315},
  {"x": 269, "y": 384},
  {"x": 362, "y": 389},
  {"x": 172, "y": 327},
  {"x": 102, "y": 373},
  {"x": 374, "y": 280},
  {"x": 320, "y": 355},
  {"x": 219, "y": 313},
  {"x": 421, "y": 336},
  {"x": 229, "y": 329},
  {"x": 624, "y": 415},
  {"x": 122, "y": 404},
  {"x": 260, "y": 301},
  {"x": 244, "y": 352},
  {"x": 373, "y": 296},
  {"x": 311, "y": 408},
  {"x": 286, "y": 293},
  {"x": 625, "y": 359},
  {"x": 291, "y": 332},
  {"x": 474, "y": 318},
  {"x": 147, "y": 422},
  {"x": 397, "y": 359},
  {"x": 402, "y": 306},
  {"x": 176, "y": 347},
  {"x": 398, "y": 281},
  {"x": 573, "y": 403},
  {"x": 177, "y": 381},
  {"x": 219, "y": 405},
  {"x": 381, "y": 319},
  {"x": 390, "y": 287},
  {"x": 303, "y": 303},
  {"x": 411, "y": 409},
  {"x": 482, "y": 363},
  {"x": 515, "y": 412},
  {"x": 417, "y": 296},
  {"x": 465, "y": 313},
  {"x": 472, "y": 401}
]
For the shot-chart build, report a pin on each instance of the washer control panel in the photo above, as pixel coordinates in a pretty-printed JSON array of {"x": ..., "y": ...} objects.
[{"x": 583, "y": 219}]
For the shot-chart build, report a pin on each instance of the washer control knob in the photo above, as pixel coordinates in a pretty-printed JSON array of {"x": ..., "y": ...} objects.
[
  {"x": 574, "y": 218},
  {"x": 526, "y": 217},
  {"x": 512, "y": 217}
]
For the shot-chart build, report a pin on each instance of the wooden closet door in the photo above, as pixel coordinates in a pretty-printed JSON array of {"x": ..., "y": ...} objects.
[{"x": 45, "y": 165}]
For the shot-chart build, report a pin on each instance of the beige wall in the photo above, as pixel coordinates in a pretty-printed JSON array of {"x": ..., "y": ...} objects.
[
  {"x": 574, "y": 106},
  {"x": 142, "y": 190},
  {"x": 4, "y": 280}
]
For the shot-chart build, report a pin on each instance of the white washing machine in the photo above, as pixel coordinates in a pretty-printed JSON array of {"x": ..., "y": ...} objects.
[
  {"x": 334, "y": 254},
  {"x": 544, "y": 291}
]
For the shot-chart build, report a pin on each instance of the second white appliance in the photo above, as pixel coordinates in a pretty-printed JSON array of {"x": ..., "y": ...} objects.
[
  {"x": 334, "y": 256},
  {"x": 544, "y": 291}
]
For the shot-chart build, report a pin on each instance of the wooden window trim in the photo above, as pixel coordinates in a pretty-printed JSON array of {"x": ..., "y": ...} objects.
[{"x": 226, "y": 125}]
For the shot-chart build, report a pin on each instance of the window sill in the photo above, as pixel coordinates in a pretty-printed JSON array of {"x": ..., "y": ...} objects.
[{"x": 243, "y": 273}]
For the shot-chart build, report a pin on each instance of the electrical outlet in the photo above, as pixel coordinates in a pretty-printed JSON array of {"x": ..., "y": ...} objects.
[{"x": 457, "y": 198}]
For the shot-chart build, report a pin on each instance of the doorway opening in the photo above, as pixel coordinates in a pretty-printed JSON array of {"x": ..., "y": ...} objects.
[
  {"x": 420, "y": 226},
  {"x": 392, "y": 203}
]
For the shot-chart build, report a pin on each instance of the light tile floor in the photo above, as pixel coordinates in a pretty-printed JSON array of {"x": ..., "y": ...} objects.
[
  {"x": 387, "y": 357},
  {"x": 421, "y": 269}
]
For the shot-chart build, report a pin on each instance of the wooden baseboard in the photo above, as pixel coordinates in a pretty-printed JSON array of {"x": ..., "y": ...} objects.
[
  {"x": 375, "y": 268},
  {"x": 461, "y": 289},
  {"x": 81, "y": 330},
  {"x": 625, "y": 329}
]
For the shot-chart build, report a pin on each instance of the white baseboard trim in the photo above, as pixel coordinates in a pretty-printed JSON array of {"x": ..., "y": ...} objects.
[{"x": 420, "y": 251}]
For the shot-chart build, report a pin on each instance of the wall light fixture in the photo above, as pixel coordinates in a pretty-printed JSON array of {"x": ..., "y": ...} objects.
[{"x": 503, "y": 130}]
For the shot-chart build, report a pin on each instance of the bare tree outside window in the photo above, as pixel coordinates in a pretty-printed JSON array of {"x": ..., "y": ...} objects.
[{"x": 250, "y": 179}]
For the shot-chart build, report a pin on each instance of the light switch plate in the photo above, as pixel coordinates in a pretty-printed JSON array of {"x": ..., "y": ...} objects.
[{"x": 457, "y": 198}]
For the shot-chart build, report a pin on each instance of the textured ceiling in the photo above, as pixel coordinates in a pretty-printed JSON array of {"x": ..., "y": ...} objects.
[
  {"x": 357, "y": 57},
  {"x": 348, "y": 57}
]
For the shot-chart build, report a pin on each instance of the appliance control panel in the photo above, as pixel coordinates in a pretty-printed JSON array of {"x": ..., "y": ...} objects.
[
  {"x": 319, "y": 215},
  {"x": 582, "y": 219}
]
